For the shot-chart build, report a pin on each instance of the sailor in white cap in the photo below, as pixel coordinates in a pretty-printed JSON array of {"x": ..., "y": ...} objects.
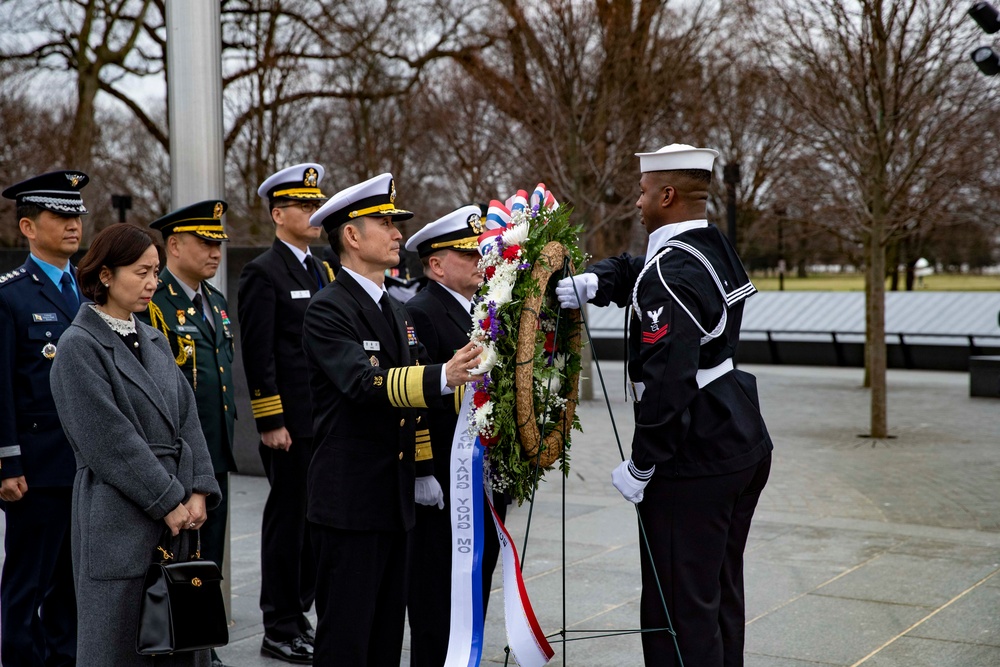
[
  {"x": 449, "y": 251},
  {"x": 367, "y": 383},
  {"x": 274, "y": 290},
  {"x": 701, "y": 453}
]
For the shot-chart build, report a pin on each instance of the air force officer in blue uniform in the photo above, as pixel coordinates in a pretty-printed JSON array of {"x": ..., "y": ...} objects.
[{"x": 38, "y": 301}]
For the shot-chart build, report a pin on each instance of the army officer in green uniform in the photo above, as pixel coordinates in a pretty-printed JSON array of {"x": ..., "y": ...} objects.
[{"x": 193, "y": 315}]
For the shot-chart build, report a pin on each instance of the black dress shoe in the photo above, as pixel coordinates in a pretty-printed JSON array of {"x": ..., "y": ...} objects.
[{"x": 296, "y": 651}]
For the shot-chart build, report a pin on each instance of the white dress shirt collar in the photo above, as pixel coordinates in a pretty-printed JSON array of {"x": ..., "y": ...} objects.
[
  {"x": 299, "y": 255},
  {"x": 368, "y": 285},
  {"x": 658, "y": 238},
  {"x": 466, "y": 304}
]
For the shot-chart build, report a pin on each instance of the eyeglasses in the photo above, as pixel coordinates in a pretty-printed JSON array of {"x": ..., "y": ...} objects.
[{"x": 307, "y": 207}]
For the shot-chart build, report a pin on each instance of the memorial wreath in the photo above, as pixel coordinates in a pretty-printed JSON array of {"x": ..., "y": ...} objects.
[{"x": 524, "y": 402}]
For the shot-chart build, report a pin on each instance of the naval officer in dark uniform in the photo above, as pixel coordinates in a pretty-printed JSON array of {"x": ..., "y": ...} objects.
[
  {"x": 274, "y": 291},
  {"x": 38, "y": 301},
  {"x": 193, "y": 314},
  {"x": 701, "y": 453},
  {"x": 363, "y": 358},
  {"x": 449, "y": 251}
]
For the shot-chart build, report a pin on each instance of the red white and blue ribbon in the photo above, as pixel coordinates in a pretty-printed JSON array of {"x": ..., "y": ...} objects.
[
  {"x": 524, "y": 636},
  {"x": 465, "y": 642}
]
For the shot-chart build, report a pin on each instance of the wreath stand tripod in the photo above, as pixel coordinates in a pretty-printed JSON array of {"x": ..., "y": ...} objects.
[{"x": 546, "y": 451}]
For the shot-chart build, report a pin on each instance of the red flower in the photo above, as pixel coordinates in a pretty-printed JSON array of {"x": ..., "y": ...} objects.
[
  {"x": 550, "y": 342},
  {"x": 486, "y": 323},
  {"x": 510, "y": 252},
  {"x": 487, "y": 440},
  {"x": 490, "y": 270},
  {"x": 480, "y": 398}
]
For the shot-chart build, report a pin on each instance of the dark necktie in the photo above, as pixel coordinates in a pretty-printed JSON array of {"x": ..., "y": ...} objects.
[
  {"x": 313, "y": 271},
  {"x": 389, "y": 319},
  {"x": 66, "y": 287},
  {"x": 199, "y": 307}
]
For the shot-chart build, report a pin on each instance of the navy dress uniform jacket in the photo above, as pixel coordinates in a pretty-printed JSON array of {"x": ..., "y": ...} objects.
[
  {"x": 274, "y": 292},
  {"x": 210, "y": 368},
  {"x": 32, "y": 315},
  {"x": 684, "y": 430},
  {"x": 365, "y": 387}
]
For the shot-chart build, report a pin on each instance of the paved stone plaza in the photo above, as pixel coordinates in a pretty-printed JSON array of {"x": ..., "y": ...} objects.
[{"x": 883, "y": 554}]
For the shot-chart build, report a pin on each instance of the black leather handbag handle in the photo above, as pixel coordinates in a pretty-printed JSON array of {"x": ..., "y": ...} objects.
[{"x": 163, "y": 554}]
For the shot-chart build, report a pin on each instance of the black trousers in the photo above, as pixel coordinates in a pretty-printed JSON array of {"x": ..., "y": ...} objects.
[
  {"x": 429, "y": 600},
  {"x": 287, "y": 563},
  {"x": 37, "y": 598},
  {"x": 213, "y": 531},
  {"x": 697, "y": 530},
  {"x": 360, "y": 596}
]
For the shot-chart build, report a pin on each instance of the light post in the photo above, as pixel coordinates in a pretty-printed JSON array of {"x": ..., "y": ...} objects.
[{"x": 988, "y": 18}]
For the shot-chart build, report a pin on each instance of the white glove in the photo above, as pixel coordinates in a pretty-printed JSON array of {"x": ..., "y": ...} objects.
[
  {"x": 427, "y": 491},
  {"x": 567, "y": 289},
  {"x": 630, "y": 482}
]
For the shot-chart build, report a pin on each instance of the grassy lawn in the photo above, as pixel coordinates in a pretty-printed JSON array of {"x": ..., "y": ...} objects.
[{"x": 854, "y": 282}]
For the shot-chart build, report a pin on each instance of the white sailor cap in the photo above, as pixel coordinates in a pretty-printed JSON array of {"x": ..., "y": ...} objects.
[
  {"x": 458, "y": 230},
  {"x": 56, "y": 191},
  {"x": 299, "y": 182},
  {"x": 376, "y": 196},
  {"x": 677, "y": 156}
]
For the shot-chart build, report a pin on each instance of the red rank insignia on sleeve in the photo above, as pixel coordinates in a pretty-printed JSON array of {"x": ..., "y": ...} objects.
[{"x": 656, "y": 330}]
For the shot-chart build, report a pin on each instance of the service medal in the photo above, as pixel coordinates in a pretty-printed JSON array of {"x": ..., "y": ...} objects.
[
  {"x": 180, "y": 317},
  {"x": 49, "y": 351},
  {"x": 373, "y": 360}
]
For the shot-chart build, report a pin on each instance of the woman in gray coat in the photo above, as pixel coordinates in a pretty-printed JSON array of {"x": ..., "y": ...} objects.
[{"x": 142, "y": 462}]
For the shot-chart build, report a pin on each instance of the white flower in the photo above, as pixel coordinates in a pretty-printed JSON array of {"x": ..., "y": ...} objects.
[
  {"x": 487, "y": 360},
  {"x": 501, "y": 292},
  {"x": 515, "y": 234},
  {"x": 481, "y": 311},
  {"x": 481, "y": 418}
]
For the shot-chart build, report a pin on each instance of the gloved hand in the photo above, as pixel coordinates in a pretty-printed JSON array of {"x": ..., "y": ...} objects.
[
  {"x": 630, "y": 482},
  {"x": 427, "y": 491},
  {"x": 567, "y": 289}
]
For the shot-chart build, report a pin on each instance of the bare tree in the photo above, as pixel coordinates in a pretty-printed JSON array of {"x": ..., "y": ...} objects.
[
  {"x": 99, "y": 42},
  {"x": 587, "y": 84},
  {"x": 891, "y": 111}
]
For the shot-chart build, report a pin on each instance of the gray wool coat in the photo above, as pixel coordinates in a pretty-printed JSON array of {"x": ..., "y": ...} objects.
[{"x": 139, "y": 453}]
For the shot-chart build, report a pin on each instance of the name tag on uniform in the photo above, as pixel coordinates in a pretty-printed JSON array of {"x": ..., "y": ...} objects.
[
  {"x": 301, "y": 294},
  {"x": 372, "y": 345},
  {"x": 44, "y": 317},
  {"x": 186, "y": 328}
]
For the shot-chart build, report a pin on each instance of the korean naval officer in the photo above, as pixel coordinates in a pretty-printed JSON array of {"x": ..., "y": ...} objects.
[
  {"x": 701, "y": 453},
  {"x": 367, "y": 382},
  {"x": 192, "y": 313},
  {"x": 449, "y": 252},
  {"x": 38, "y": 301},
  {"x": 274, "y": 291}
]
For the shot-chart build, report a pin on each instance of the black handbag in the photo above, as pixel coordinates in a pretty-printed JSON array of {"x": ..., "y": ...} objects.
[{"x": 182, "y": 607}]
